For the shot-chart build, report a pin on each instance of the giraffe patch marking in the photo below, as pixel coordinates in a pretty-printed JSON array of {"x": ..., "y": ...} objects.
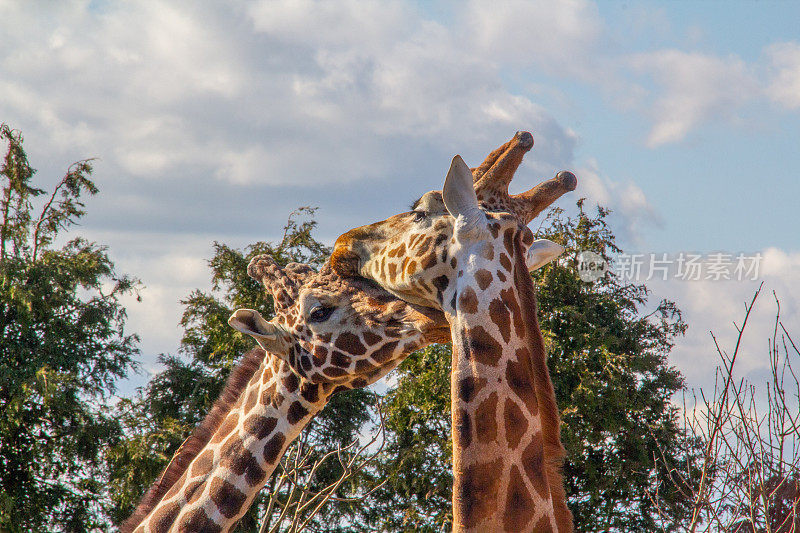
[
  {"x": 385, "y": 352},
  {"x": 469, "y": 387},
  {"x": 371, "y": 338},
  {"x": 199, "y": 522},
  {"x": 515, "y": 423},
  {"x": 349, "y": 343},
  {"x": 228, "y": 498},
  {"x": 226, "y": 427},
  {"x": 163, "y": 518},
  {"x": 500, "y": 315},
  {"x": 533, "y": 463},
  {"x": 273, "y": 448},
  {"x": 486, "y": 419},
  {"x": 519, "y": 381},
  {"x": 519, "y": 503},
  {"x": 468, "y": 301},
  {"x": 505, "y": 262},
  {"x": 484, "y": 278},
  {"x": 260, "y": 426},
  {"x": 482, "y": 346},
  {"x": 479, "y": 487},
  {"x": 463, "y": 427}
]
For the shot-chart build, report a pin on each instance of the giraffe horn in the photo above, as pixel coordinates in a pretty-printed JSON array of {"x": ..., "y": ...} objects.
[
  {"x": 532, "y": 202},
  {"x": 506, "y": 161},
  {"x": 460, "y": 199},
  {"x": 275, "y": 279}
]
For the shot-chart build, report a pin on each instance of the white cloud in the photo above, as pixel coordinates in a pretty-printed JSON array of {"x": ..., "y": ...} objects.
[
  {"x": 631, "y": 210},
  {"x": 714, "y": 306},
  {"x": 559, "y": 37},
  {"x": 693, "y": 88},
  {"x": 784, "y": 85}
]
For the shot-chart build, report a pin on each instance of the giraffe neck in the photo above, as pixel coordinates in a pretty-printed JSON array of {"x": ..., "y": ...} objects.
[
  {"x": 506, "y": 443},
  {"x": 220, "y": 482}
]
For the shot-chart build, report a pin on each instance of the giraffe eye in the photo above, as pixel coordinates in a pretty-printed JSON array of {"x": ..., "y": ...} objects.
[
  {"x": 419, "y": 216},
  {"x": 320, "y": 313}
]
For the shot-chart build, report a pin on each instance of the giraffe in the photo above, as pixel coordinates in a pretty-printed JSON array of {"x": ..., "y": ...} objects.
[
  {"x": 467, "y": 250},
  {"x": 329, "y": 334}
]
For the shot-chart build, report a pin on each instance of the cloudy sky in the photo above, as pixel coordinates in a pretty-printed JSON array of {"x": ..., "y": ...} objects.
[{"x": 214, "y": 120}]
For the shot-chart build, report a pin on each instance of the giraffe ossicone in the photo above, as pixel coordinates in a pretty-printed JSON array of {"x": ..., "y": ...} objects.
[
  {"x": 467, "y": 250},
  {"x": 329, "y": 334}
]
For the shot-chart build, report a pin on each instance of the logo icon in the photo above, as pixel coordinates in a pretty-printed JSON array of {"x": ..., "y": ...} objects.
[{"x": 591, "y": 266}]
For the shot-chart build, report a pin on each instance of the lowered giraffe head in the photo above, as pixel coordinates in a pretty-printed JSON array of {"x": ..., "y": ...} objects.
[
  {"x": 328, "y": 334},
  {"x": 467, "y": 250},
  {"x": 335, "y": 330}
]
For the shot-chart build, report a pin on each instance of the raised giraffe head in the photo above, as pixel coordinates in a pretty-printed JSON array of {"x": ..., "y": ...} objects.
[
  {"x": 453, "y": 251},
  {"x": 328, "y": 334},
  {"x": 415, "y": 254}
]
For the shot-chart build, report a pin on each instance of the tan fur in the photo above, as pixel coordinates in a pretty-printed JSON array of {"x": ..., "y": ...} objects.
[
  {"x": 548, "y": 409},
  {"x": 198, "y": 439}
]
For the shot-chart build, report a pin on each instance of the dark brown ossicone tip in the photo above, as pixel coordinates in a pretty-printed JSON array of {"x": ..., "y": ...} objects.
[
  {"x": 524, "y": 140},
  {"x": 262, "y": 266},
  {"x": 567, "y": 180}
]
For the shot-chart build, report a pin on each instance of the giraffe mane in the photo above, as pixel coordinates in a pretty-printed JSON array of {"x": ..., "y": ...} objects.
[
  {"x": 545, "y": 395},
  {"x": 200, "y": 436}
]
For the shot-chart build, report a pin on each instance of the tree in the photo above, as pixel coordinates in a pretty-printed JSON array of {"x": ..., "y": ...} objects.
[
  {"x": 747, "y": 480},
  {"x": 608, "y": 362},
  {"x": 166, "y": 410},
  {"x": 62, "y": 346}
]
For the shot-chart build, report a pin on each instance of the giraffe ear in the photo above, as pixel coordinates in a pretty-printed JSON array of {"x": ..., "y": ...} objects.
[
  {"x": 541, "y": 252},
  {"x": 460, "y": 199},
  {"x": 269, "y": 336}
]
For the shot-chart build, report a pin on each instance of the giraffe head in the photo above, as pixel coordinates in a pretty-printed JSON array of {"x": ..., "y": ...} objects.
[
  {"x": 331, "y": 329},
  {"x": 415, "y": 254},
  {"x": 328, "y": 334}
]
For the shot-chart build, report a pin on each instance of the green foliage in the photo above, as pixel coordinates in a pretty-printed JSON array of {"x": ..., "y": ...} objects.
[
  {"x": 609, "y": 366},
  {"x": 164, "y": 413},
  {"x": 62, "y": 347}
]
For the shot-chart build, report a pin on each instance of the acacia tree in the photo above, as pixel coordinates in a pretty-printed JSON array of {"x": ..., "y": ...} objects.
[
  {"x": 608, "y": 362},
  {"x": 62, "y": 347}
]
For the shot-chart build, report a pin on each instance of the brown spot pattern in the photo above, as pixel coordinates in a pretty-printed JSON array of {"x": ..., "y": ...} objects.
[
  {"x": 469, "y": 387},
  {"x": 515, "y": 423},
  {"x": 478, "y": 491},
  {"x": 273, "y": 447},
  {"x": 533, "y": 463},
  {"x": 202, "y": 465},
  {"x": 483, "y": 347},
  {"x": 519, "y": 509},
  {"x": 519, "y": 381},
  {"x": 260, "y": 426},
  {"x": 501, "y": 316},
  {"x": 468, "y": 301},
  {"x": 164, "y": 517},
  {"x": 486, "y": 420},
  {"x": 347, "y": 342},
  {"x": 484, "y": 278},
  {"x": 198, "y": 522},
  {"x": 228, "y": 498}
]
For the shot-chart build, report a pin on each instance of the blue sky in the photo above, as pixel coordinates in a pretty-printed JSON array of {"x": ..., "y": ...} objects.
[{"x": 213, "y": 122}]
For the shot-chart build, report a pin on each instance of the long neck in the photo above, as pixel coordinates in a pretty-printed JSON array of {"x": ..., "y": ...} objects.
[
  {"x": 221, "y": 481},
  {"x": 506, "y": 444}
]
